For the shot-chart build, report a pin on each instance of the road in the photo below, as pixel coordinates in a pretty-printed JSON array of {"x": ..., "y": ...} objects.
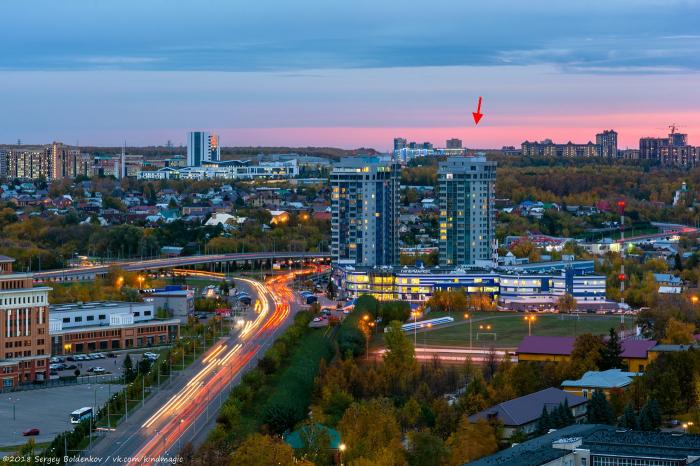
[
  {"x": 178, "y": 414},
  {"x": 89, "y": 273}
]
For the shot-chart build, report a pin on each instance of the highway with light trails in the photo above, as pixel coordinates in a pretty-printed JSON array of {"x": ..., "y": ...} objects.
[{"x": 171, "y": 417}]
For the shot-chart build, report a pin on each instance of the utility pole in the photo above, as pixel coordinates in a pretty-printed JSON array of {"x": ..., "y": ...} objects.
[{"x": 621, "y": 207}]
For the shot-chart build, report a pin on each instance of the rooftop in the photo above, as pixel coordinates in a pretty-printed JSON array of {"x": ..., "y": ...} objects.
[
  {"x": 564, "y": 345},
  {"x": 528, "y": 408},
  {"x": 94, "y": 305},
  {"x": 612, "y": 378}
]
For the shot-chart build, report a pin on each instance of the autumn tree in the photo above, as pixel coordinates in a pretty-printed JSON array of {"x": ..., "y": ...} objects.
[
  {"x": 678, "y": 332},
  {"x": 471, "y": 441},
  {"x": 566, "y": 303},
  {"x": 262, "y": 450},
  {"x": 369, "y": 428}
]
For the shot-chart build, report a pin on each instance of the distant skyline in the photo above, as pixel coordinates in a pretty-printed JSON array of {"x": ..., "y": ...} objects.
[{"x": 347, "y": 75}]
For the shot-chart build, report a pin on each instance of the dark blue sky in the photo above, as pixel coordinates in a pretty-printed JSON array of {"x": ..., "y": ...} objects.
[{"x": 655, "y": 45}]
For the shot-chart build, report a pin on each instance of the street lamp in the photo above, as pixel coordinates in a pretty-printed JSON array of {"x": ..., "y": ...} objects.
[
  {"x": 414, "y": 314},
  {"x": 140, "y": 279},
  {"x": 530, "y": 319},
  {"x": 468, "y": 316},
  {"x": 694, "y": 299},
  {"x": 342, "y": 447}
]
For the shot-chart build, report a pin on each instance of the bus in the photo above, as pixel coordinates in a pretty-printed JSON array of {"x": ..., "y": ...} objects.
[{"x": 79, "y": 415}]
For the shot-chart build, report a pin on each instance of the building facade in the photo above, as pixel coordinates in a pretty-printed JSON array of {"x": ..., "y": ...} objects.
[
  {"x": 24, "y": 329},
  {"x": 467, "y": 213},
  {"x": 525, "y": 287},
  {"x": 607, "y": 143},
  {"x": 202, "y": 147},
  {"x": 365, "y": 212},
  {"x": 107, "y": 326}
]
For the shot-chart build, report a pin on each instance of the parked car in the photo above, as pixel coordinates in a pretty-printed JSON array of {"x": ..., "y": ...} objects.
[
  {"x": 70, "y": 358},
  {"x": 97, "y": 370},
  {"x": 70, "y": 367},
  {"x": 55, "y": 360},
  {"x": 151, "y": 356},
  {"x": 30, "y": 432},
  {"x": 99, "y": 355},
  {"x": 111, "y": 355}
]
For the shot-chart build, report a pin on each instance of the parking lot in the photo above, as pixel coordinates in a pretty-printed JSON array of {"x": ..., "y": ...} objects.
[
  {"x": 111, "y": 365},
  {"x": 46, "y": 409}
]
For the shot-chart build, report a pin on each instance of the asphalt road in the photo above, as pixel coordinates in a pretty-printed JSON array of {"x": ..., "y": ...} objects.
[{"x": 186, "y": 407}]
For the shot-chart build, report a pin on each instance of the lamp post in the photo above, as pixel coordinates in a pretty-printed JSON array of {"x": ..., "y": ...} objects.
[
  {"x": 530, "y": 319},
  {"x": 415, "y": 327},
  {"x": 468, "y": 316},
  {"x": 341, "y": 448}
]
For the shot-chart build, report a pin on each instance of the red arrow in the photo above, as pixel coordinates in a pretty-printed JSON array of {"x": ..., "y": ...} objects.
[{"x": 477, "y": 115}]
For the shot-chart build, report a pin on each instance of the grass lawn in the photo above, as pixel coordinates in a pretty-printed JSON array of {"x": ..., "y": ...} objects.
[{"x": 510, "y": 328}]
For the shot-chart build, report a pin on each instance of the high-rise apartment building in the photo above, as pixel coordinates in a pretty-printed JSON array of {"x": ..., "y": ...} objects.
[
  {"x": 400, "y": 143},
  {"x": 607, "y": 143},
  {"x": 54, "y": 161},
  {"x": 202, "y": 147},
  {"x": 364, "y": 205},
  {"x": 672, "y": 150},
  {"x": 453, "y": 143},
  {"x": 467, "y": 214},
  {"x": 24, "y": 327}
]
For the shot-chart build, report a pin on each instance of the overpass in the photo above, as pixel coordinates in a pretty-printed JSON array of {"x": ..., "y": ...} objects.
[{"x": 214, "y": 260}]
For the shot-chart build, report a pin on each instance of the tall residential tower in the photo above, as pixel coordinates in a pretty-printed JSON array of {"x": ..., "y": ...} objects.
[
  {"x": 202, "y": 147},
  {"x": 467, "y": 215},
  {"x": 364, "y": 206}
]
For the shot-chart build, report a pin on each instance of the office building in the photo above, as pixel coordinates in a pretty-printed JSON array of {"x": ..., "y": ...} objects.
[
  {"x": 106, "y": 326},
  {"x": 24, "y": 333},
  {"x": 467, "y": 214},
  {"x": 364, "y": 205},
  {"x": 607, "y": 143},
  {"x": 453, "y": 143},
  {"x": 202, "y": 147},
  {"x": 522, "y": 287}
]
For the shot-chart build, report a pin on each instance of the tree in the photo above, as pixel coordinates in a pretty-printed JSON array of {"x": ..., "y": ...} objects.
[
  {"x": 678, "y": 332},
  {"x": 585, "y": 355},
  {"x": 262, "y": 450},
  {"x": 368, "y": 428},
  {"x": 610, "y": 353},
  {"x": 600, "y": 410},
  {"x": 395, "y": 310},
  {"x": 129, "y": 374},
  {"x": 471, "y": 441},
  {"x": 544, "y": 422},
  {"x": 426, "y": 449},
  {"x": 629, "y": 418},
  {"x": 566, "y": 303},
  {"x": 400, "y": 364},
  {"x": 330, "y": 289}
]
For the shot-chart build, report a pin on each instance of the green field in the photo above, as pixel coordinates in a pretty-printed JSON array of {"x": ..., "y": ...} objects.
[{"x": 510, "y": 328}]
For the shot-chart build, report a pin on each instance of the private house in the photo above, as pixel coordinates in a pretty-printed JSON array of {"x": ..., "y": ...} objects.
[
  {"x": 635, "y": 353},
  {"x": 521, "y": 414},
  {"x": 668, "y": 283},
  {"x": 608, "y": 382}
]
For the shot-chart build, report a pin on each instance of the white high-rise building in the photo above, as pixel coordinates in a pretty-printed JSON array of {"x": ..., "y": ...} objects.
[{"x": 202, "y": 147}]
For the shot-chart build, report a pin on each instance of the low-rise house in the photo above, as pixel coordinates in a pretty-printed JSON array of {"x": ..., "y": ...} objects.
[
  {"x": 668, "y": 283},
  {"x": 522, "y": 414},
  {"x": 635, "y": 353},
  {"x": 607, "y": 382}
]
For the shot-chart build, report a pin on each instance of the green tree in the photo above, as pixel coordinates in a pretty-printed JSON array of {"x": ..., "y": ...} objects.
[
  {"x": 129, "y": 374},
  {"x": 611, "y": 353},
  {"x": 400, "y": 364},
  {"x": 599, "y": 409},
  {"x": 426, "y": 449},
  {"x": 629, "y": 418},
  {"x": 544, "y": 423}
]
